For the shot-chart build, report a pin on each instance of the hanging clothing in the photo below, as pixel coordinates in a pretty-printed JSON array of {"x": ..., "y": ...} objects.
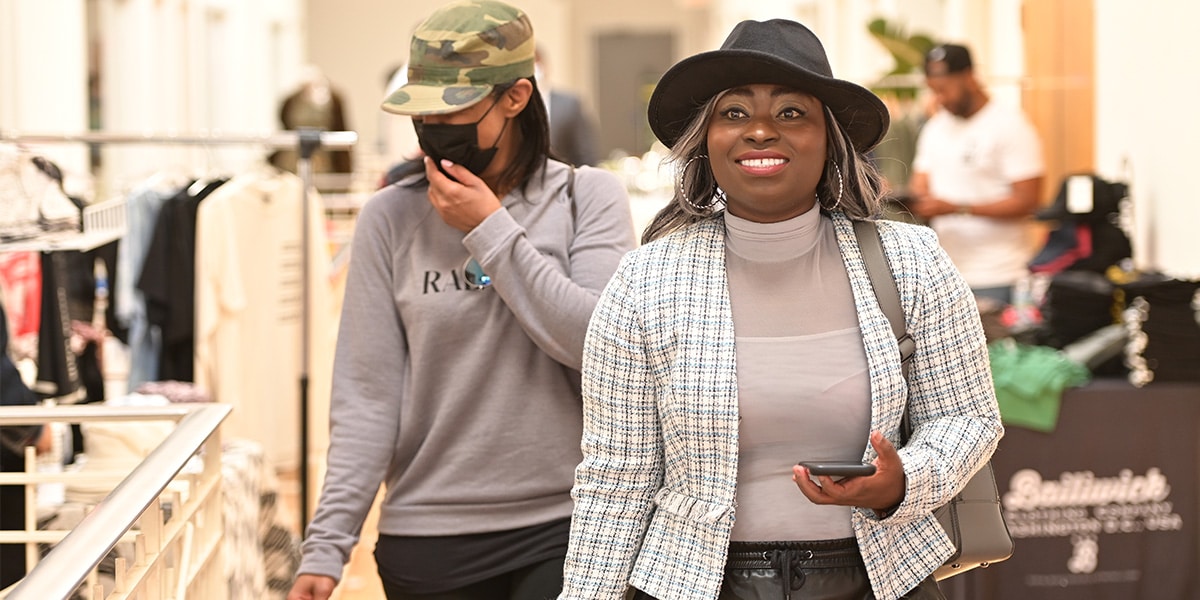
[
  {"x": 21, "y": 283},
  {"x": 168, "y": 280},
  {"x": 57, "y": 373},
  {"x": 321, "y": 109},
  {"x": 142, "y": 208},
  {"x": 249, "y": 305},
  {"x": 34, "y": 200}
]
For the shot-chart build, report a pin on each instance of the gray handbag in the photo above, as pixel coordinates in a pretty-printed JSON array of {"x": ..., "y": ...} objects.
[{"x": 974, "y": 518}]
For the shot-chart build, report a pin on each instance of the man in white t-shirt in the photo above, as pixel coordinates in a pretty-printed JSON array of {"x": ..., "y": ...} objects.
[{"x": 977, "y": 177}]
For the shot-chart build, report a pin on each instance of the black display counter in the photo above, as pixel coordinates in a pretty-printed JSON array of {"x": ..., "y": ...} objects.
[{"x": 1105, "y": 507}]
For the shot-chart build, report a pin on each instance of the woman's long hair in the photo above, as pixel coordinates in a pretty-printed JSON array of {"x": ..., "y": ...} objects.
[
  {"x": 858, "y": 193},
  {"x": 534, "y": 149}
]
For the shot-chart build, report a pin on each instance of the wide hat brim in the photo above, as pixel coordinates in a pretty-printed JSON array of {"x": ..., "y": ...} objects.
[{"x": 685, "y": 87}]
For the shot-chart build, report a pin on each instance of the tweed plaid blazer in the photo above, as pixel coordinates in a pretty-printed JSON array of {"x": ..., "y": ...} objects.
[{"x": 654, "y": 495}]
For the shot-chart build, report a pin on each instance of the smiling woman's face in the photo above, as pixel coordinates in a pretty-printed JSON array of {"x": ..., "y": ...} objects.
[{"x": 766, "y": 145}]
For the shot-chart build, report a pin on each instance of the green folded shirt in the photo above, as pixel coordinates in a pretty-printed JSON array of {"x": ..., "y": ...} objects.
[{"x": 1030, "y": 381}]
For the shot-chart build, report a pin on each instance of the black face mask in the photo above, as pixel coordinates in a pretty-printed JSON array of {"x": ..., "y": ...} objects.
[{"x": 458, "y": 144}]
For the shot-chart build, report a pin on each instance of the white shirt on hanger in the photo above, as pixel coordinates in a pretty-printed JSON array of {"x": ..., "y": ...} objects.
[{"x": 249, "y": 306}]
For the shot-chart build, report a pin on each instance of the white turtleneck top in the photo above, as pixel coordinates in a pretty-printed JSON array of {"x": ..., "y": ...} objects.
[{"x": 803, "y": 388}]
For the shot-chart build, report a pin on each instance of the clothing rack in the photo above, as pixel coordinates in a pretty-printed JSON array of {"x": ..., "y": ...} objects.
[
  {"x": 337, "y": 140},
  {"x": 307, "y": 141}
]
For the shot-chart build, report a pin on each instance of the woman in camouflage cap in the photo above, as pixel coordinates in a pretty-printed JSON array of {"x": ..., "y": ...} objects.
[{"x": 456, "y": 379}]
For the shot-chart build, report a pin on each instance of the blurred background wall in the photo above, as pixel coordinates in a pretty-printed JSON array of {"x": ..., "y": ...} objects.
[{"x": 1107, "y": 82}]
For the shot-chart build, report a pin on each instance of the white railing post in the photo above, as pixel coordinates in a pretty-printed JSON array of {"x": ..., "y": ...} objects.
[{"x": 171, "y": 559}]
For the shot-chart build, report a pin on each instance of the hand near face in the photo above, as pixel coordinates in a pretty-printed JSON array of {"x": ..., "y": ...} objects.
[
  {"x": 462, "y": 204},
  {"x": 880, "y": 491}
]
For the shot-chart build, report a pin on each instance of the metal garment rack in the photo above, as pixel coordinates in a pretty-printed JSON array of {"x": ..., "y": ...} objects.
[{"x": 307, "y": 141}]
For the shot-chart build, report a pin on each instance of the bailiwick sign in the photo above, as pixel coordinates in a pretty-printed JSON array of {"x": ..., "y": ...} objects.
[
  {"x": 1106, "y": 507},
  {"x": 1091, "y": 512}
]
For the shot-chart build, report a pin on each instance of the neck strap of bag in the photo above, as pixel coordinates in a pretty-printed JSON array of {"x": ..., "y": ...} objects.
[
  {"x": 888, "y": 296},
  {"x": 571, "y": 191}
]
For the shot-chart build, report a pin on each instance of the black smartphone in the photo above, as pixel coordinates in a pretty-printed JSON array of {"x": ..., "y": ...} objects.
[{"x": 839, "y": 468}]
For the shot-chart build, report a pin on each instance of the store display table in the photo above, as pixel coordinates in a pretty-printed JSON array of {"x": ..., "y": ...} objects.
[{"x": 1105, "y": 507}]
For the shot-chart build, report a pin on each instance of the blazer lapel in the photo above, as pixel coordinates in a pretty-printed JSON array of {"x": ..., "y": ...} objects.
[{"x": 709, "y": 378}]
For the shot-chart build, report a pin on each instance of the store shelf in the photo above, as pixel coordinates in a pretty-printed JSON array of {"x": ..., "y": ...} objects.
[{"x": 103, "y": 222}]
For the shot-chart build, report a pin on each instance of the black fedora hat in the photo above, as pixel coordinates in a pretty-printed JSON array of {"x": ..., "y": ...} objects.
[{"x": 777, "y": 51}]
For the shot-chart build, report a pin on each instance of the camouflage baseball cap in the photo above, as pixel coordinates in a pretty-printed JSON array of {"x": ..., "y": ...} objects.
[{"x": 459, "y": 53}]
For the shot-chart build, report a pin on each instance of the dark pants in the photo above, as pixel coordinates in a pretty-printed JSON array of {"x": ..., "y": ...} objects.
[
  {"x": 824, "y": 570},
  {"x": 12, "y": 517},
  {"x": 540, "y": 581}
]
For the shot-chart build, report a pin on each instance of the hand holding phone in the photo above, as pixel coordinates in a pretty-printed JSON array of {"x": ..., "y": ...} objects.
[{"x": 839, "y": 468}]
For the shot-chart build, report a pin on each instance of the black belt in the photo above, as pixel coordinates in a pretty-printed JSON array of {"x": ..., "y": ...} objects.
[{"x": 789, "y": 558}]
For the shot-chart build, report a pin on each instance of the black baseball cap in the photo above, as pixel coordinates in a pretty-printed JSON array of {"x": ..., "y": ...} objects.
[
  {"x": 945, "y": 59},
  {"x": 1103, "y": 202}
]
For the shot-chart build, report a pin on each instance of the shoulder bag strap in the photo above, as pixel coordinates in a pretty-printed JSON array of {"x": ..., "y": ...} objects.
[
  {"x": 884, "y": 284},
  {"x": 571, "y": 192}
]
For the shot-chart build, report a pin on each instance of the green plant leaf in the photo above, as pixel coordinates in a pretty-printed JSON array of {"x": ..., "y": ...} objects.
[{"x": 908, "y": 53}]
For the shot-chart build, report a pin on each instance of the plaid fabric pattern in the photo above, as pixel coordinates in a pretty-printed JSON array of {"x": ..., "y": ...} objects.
[{"x": 654, "y": 493}]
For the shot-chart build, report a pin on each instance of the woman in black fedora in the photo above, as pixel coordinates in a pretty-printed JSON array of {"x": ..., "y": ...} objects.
[{"x": 744, "y": 337}]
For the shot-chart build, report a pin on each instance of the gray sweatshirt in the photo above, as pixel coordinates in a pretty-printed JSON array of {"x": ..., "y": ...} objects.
[{"x": 464, "y": 402}]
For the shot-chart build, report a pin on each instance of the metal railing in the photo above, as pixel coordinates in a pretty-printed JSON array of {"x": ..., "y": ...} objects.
[{"x": 175, "y": 556}]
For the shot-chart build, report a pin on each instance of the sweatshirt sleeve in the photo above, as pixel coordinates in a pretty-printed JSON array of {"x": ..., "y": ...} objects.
[
  {"x": 364, "y": 401},
  {"x": 554, "y": 307}
]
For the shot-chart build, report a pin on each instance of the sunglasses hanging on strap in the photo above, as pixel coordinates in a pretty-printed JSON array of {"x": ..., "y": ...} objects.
[
  {"x": 973, "y": 519},
  {"x": 473, "y": 272}
]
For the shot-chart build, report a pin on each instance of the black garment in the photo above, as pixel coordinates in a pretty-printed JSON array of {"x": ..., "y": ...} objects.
[
  {"x": 439, "y": 564},
  {"x": 168, "y": 281},
  {"x": 81, "y": 286},
  {"x": 1077, "y": 303},
  {"x": 57, "y": 373},
  {"x": 819, "y": 570},
  {"x": 81, "y": 304},
  {"x": 13, "y": 392},
  {"x": 1081, "y": 246},
  {"x": 1110, "y": 246},
  {"x": 539, "y": 581},
  {"x": 1172, "y": 326}
]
